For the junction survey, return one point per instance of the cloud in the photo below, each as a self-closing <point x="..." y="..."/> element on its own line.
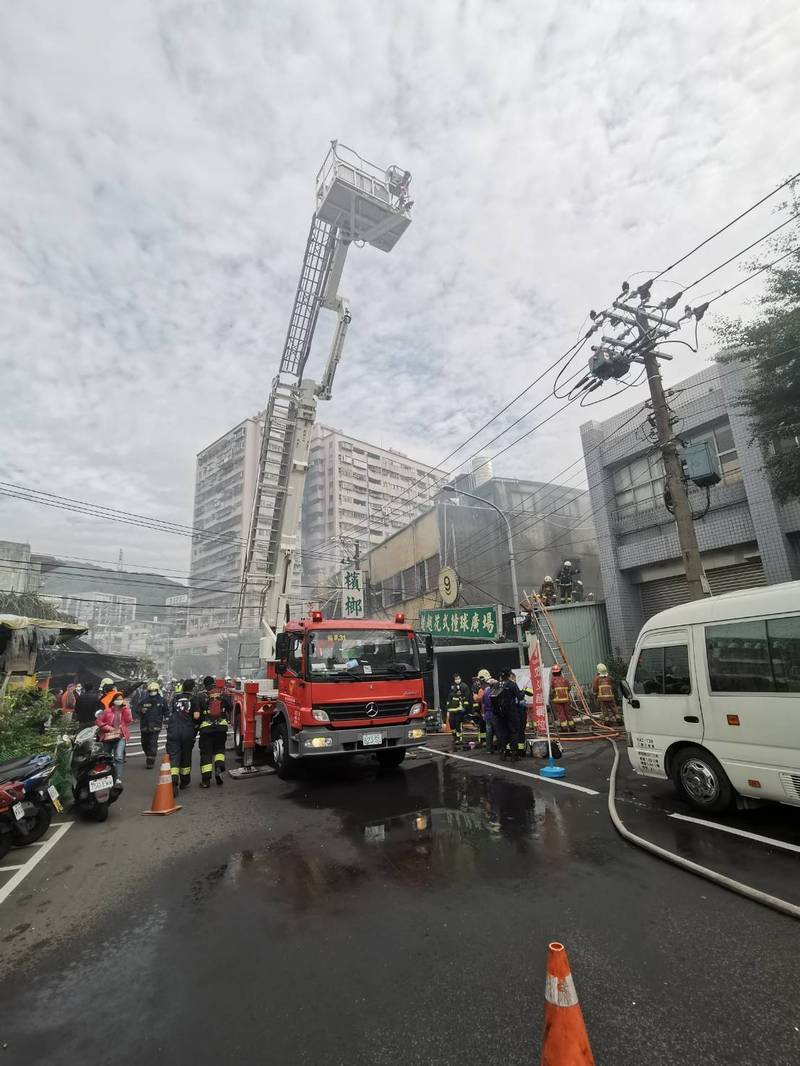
<point x="157" y="187"/>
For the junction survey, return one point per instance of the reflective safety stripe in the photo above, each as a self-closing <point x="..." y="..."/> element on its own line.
<point x="185" y="771"/>
<point x="174" y="771"/>
<point x="206" y="768"/>
<point x="560" y="992"/>
<point x="605" y="692"/>
<point x="560" y="696"/>
<point x="219" y="757"/>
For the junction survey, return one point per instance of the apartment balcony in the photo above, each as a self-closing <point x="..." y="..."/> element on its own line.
<point x="645" y="516"/>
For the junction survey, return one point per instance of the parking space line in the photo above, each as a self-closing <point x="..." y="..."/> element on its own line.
<point x="34" y="860"/>
<point x="512" y="770"/>
<point x="739" y="833"/>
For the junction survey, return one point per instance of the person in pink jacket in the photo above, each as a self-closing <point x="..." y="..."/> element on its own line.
<point x="113" y="727"/>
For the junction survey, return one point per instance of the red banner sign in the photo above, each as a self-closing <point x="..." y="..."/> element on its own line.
<point x="539" y="709"/>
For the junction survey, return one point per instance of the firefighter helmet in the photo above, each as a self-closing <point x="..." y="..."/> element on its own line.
<point x="153" y="686"/>
<point x="556" y="669"/>
<point x="484" y="675"/>
<point x="602" y="668"/>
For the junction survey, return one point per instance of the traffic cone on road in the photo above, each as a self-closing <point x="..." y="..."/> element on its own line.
<point x="565" y="1041"/>
<point x="163" y="800"/>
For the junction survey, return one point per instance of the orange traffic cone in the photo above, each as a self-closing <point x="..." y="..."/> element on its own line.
<point x="565" y="1041"/>
<point x="163" y="800"/>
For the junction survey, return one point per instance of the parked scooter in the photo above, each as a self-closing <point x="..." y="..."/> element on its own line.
<point x="11" y="795"/>
<point x="92" y="775"/>
<point x="33" y="813"/>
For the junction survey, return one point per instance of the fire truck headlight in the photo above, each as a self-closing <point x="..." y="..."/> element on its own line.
<point x="416" y="708"/>
<point x="416" y="734"/>
<point x="318" y="742"/>
<point x="320" y="716"/>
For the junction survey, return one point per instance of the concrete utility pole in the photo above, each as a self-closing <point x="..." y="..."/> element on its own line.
<point x="676" y="486"/>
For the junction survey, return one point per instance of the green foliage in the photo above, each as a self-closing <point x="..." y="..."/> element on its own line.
<point x="617" y="667"/>
<point x="30" y="724"/>
<point x="768" y="346"/>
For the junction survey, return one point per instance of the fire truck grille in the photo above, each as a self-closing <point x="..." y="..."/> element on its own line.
<point x="351" y="712"/>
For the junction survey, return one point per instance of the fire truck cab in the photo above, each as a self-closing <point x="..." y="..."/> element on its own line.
<point x="341" y="687"/>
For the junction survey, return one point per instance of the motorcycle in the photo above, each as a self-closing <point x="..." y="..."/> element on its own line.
<point x="11" y="796"/>
<point x="33" y="812"/>
<point x="92" y="775"/>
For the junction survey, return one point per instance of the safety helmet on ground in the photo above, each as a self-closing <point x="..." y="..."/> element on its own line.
<point x="602" y="668"/>
<point x="153" y="686"/>
<point x="484" y="675"/>
<point x="556" y="669"/>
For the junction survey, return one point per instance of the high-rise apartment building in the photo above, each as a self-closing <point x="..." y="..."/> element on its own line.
<point x="356" y="493"/>
<point x="225" y="482"/>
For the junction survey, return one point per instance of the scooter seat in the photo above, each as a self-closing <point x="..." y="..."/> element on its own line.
<point x="18" y="769"/>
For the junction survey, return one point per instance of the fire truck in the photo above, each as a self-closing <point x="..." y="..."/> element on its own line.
<point x="326" y="686"/>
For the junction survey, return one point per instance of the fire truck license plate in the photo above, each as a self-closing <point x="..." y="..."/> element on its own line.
<point x="372" y="740"/>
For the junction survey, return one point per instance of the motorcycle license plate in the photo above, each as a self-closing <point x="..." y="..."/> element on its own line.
<point x="52" y="792"/>
<point x="101" y="783"/>
<point x="372" y="740"/>
<point x="19" y="811"/>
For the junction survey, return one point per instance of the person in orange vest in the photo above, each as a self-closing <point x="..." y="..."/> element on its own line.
<point x="603" y="689"/>
<point x="560" y="701"/>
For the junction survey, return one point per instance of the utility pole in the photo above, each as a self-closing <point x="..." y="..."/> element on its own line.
<point x="647" y="324"/>
<point x="676" y="486"/>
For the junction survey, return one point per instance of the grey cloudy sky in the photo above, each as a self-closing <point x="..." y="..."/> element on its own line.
<point x="157" y="173"/>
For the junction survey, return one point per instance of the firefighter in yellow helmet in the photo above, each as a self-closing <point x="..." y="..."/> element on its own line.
<point x="561" y="701"/>
<point x="603" y="689"/>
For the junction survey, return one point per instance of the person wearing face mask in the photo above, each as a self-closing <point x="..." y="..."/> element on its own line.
<point x="113" y="728"/>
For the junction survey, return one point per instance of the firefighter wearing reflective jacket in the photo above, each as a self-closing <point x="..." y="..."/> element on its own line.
<point x="560" y="699"/>
<point x="215" y="710"/>
<point x="181" y="732"/>
<point x="603" y="689"/>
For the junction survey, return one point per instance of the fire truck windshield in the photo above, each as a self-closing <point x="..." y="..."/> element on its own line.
<point x="361" y="653"/>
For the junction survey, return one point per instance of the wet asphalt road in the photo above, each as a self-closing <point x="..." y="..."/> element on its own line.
<point x="361" y="917"/>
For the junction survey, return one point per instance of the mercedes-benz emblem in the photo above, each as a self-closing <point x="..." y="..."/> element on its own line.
<point x="371" y="710"/>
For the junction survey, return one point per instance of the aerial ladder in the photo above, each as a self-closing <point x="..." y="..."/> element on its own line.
<point x="356" y="202"/>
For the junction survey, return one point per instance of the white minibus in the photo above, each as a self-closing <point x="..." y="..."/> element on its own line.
<point x="712" y="698"/>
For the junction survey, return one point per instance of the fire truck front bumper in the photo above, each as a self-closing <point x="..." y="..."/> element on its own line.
<point x="361" y="740"/>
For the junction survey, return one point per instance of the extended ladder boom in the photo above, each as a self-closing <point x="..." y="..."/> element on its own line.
<point x="355" y="201"/>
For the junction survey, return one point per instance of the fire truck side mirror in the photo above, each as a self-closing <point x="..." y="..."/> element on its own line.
<point x="281" y="652"/>
<point x="429" y="650"/>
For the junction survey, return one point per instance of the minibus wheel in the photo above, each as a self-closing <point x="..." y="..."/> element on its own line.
<point x="701" y="780"/>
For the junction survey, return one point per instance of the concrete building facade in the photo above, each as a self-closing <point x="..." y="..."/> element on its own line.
<point x="356" y="493"/>
<point x="746" y="538"/>
<point x="549" y="524"/>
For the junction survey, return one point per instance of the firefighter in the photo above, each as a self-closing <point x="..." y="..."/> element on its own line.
<point x="507" y="715"/>
<point x="215" y="711"/>
<point x="548" y="591"/>
<point x="560" y="700"/>
<point x="459" y="701"/>
<point x="152" y="711"/>
<point x="181" y="732"/>
<point x="518" y="716"/>
<point x="566" y="582"/>
<point x="603" y="689"/>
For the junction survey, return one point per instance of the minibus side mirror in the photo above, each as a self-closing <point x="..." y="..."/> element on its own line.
<point x="625" y="689"/>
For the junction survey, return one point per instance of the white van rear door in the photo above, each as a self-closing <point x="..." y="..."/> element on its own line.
<point x="663" y="682"/>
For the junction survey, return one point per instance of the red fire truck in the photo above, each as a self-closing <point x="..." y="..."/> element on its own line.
<point x="345" y="686"/>
<point x="342" y="688"/>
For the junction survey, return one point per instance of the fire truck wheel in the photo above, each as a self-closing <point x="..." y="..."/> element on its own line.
<point x="387" y="760"/>
<point x="284" y="766"/>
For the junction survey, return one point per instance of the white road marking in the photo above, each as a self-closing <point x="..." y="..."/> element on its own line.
<point x="512" y="770"/>
<point x="34" y="860"/>
<point x="135" y="754"/>
<point x="739" y="833"/>
<point x="8" y="869"/>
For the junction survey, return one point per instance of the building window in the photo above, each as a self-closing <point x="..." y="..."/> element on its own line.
<point x="639" y="486"/>
<point x="409" y="583"/>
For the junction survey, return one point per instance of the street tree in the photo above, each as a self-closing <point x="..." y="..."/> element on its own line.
<point x="768" y="345"/>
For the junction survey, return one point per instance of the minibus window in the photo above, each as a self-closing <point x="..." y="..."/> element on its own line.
<point x="738" y="657"/>
<point x="783" y="635"/>
<point x="663" y="671"/>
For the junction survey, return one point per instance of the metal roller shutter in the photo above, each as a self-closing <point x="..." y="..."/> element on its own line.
<point x="670" y="591"/>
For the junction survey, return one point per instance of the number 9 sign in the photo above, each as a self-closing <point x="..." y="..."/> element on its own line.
<point x="448" y="586"/>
